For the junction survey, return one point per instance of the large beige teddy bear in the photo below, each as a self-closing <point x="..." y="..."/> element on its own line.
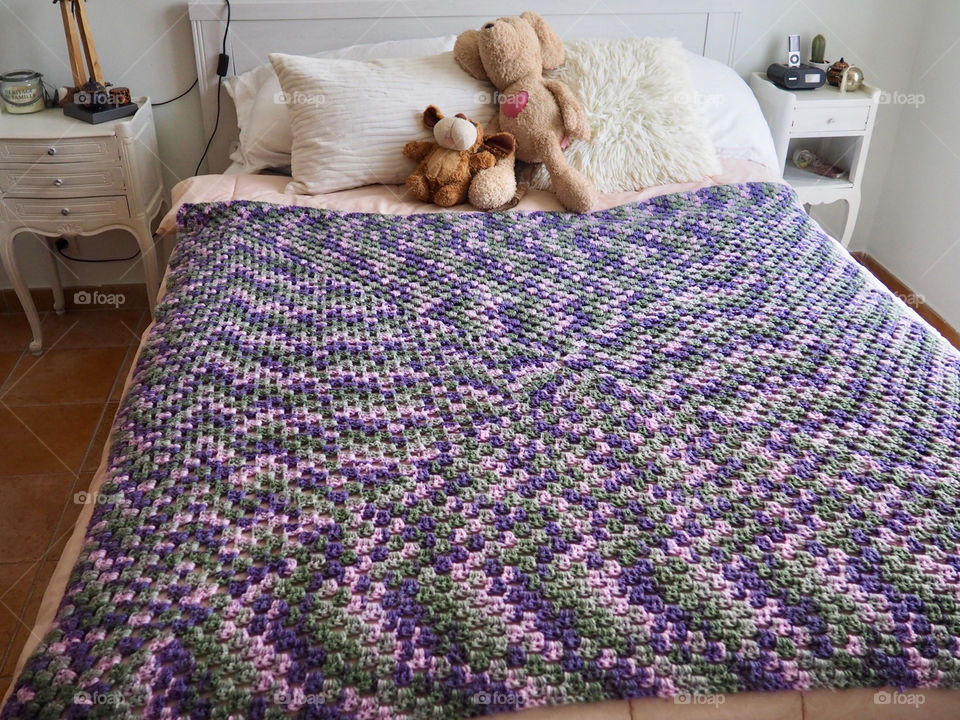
<point x="543" y="115"/>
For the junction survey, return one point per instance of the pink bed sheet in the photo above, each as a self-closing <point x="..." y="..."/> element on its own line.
<point x="394" y="200"/>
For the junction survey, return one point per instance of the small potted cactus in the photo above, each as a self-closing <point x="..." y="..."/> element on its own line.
<point x="817" y="49"/>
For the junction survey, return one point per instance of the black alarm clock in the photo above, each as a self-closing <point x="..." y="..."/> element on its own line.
<point x="801" y="77"/>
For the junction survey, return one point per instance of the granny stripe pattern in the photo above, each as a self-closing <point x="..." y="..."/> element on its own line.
<point x="449" y="465"/>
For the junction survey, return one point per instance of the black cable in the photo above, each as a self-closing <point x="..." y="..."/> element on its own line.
<point x="82" y="260"/>
<point x="223" y="49"/>
<point x="222" y="67"/>
<point x="167" y="102"/>
<point x="216" y="124"/>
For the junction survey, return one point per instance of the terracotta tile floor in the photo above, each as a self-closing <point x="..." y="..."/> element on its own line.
<point x="55" y="415"/>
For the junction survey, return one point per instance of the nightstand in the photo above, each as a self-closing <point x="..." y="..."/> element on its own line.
<point x="836" y="126"/>
<point x="61" y="177"/>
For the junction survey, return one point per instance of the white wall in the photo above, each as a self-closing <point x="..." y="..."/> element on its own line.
<point x="147" y="45"/>
<point x="917" y="230"/>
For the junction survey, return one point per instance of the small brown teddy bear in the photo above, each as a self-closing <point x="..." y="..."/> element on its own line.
<point x="543" y="115"/>
<point x="448" y="163"/>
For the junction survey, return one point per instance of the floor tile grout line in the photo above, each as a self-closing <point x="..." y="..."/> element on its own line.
<point x="56" y="536"/>
<point x="35" y="567"/>
<point x="106" y="404"/>
<point x="25" y="475"/>
<point x="128" y="345"/>
<point x="124" y="371"/>
<point x="39" y="563"/>
<point x="60" y="533"/>
<point x="16" y="613"/>
<point x="93" y="439"/>
<point x="32" y="432"/>
<point x="3" y="382"/>
<point x="6" y="391"/>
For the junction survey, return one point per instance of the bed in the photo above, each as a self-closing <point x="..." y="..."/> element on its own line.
<point x="678" y="458"/>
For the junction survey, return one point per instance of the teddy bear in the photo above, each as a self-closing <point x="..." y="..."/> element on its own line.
<point x="449" y="162"/>
<point x="543" y="115"/>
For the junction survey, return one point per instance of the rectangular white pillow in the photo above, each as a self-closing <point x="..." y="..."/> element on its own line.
<point x="265" y="139"/>
<point x="731" y="112"/>
<point x="350" y="119"/>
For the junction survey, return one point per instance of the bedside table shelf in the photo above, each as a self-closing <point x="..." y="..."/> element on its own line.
<point x="802" y="179"/>
<point x="836" y="126"/>
<point x="61" y="177"/>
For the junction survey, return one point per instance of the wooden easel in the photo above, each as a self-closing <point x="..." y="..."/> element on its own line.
<point x="77" y="28"/>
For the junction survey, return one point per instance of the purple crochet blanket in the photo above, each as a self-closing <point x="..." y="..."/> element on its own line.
<point x="449" y="465"/>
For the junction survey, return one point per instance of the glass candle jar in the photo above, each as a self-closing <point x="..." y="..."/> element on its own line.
<point x="22" y="92"/>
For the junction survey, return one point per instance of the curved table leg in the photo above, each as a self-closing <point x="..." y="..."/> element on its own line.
<point x="8" y="258"/>
<point x="148" y="253"/>
<point x="57" y="286"/>
<point x="853" y="208"/>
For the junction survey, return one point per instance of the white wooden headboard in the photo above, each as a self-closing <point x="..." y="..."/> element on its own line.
<point x="259" y="27"/>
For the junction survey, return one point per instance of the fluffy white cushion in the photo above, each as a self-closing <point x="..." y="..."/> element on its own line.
<point x="646" y="124"/>
<point x="265" y="139"/>
<point x="351" y="119"/>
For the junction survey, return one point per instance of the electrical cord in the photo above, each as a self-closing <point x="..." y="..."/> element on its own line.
<point x="82" y="260"/>
<point x="223" y="66"/>
<point x="185" y="92"/>
<point x="216" y="124"/>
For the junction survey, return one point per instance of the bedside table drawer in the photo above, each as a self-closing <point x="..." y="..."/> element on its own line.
<point x="101" y="209"/>
<point x="65" y="180"/>
<point x="830" y="119"/>
<point x="104" y="149"/>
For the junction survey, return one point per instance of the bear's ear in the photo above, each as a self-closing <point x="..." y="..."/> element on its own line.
<point x="466" y="51"/>
<point x="551" y="46"/>
<point x="431" y="116"/>
<point x="501" y="144"/>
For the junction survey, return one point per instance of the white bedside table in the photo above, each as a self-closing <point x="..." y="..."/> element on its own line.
<point x="61" y="177"/>
<point x="836" y="126"/>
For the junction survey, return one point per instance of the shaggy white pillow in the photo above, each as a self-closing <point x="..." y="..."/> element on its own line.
<point x="645" y="119"/>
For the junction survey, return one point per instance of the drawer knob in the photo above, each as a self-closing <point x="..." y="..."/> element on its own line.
<point x="830" y="121"/>
<point x="58" y="182"/>
<point x="65" y="211"/>
<point x="52" y="151"/>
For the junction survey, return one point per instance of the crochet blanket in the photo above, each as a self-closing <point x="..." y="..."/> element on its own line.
<point x="450" y="465"/>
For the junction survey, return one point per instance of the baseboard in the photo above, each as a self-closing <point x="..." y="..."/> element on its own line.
<point x="911" y="298"/>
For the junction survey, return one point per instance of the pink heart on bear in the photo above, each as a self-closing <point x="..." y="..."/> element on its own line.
<point x="513" y="105"/>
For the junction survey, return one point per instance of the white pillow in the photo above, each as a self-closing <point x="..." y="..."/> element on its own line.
<point x="264" y="125"/>
<point x="350" y="119"/>
<point x="265" y="138"/>
<point x="731" y="113"/>
<point x="646" y="124"/>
